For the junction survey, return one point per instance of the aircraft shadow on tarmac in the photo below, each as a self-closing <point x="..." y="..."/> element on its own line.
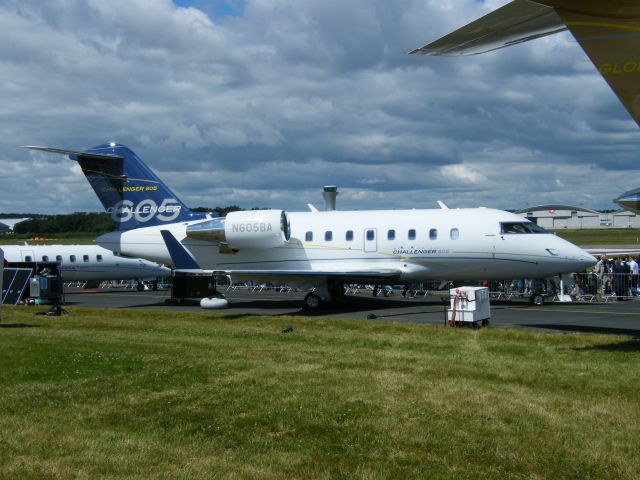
<point x="293" y="307"/>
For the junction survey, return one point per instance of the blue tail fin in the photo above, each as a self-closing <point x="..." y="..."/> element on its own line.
<point x="129" y="191"/>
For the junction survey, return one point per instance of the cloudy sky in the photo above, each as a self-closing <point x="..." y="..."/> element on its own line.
<point x="261" y="102"/>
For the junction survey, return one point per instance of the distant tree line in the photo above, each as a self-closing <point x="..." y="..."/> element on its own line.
<point x="221" y="211"/>
<point x="81" y="222"/>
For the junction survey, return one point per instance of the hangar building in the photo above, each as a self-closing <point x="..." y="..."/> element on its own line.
<point x="554" y="217"/>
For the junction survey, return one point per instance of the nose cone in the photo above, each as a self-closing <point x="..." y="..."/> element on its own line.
<point x="577" y="258"/>
<point x="630" y="200"/>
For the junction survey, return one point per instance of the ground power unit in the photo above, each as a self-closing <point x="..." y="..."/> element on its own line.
<point x="469" y="305"/>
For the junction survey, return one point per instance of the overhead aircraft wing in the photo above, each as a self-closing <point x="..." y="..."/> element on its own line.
<point x="613" y="45"/>
<point x="516" y="22"/>
<point x="611" y="40"/>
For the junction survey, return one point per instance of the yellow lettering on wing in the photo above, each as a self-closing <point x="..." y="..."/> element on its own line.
<point x="631" y="66"/>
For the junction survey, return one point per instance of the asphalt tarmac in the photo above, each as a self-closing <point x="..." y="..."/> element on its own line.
<point x="616" y="317"/>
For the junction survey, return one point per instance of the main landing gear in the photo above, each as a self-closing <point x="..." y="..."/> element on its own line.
<point x="323" y="295"/>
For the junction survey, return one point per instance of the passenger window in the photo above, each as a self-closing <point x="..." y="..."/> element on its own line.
<point x="308" y="237"/>
<point x="58" y="258"/>
<point x="85" y="258"/>
<point x="328" y="236"/>
<point x="99" y="258"/>
<point x="349" y="236"/>
<point x="433" y="234"/>
<point x="455" y="234"/>
<point x="371" y="235"/>
<point x="412" y="234"/>
<point x="27" y="258"/>
<point x="45" y="258"/>
<point x="391" y="235"/>
<point x="72" y="258"/>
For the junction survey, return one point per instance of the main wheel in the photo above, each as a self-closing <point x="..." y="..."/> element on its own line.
<point x="312" y="301"/>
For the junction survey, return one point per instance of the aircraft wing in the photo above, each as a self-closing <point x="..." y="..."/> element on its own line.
<point x="597" y="251"/>
<point x="516" y="22"/>
<point x="346" y="275"/>
<point x="611" y="40"/>
<point x="184" y="262"/>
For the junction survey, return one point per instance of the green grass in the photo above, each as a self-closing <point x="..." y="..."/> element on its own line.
<point x="137" y="394"/>
<point x="601" y="236"/>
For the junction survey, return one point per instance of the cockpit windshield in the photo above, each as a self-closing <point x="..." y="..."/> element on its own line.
<point x="520" y="227"/>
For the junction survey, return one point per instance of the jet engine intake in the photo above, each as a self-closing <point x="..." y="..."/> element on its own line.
<point x="245" y="229"/>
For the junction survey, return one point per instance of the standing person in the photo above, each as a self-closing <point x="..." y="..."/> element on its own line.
<point x="635" y="274"/>
<point x="617" y="282"/>
<point x="601" y="270"/>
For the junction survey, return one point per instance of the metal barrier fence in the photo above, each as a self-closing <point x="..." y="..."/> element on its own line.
<point x="579" y="287"/>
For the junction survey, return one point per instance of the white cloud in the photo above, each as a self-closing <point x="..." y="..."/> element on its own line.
<point x="264" y="107"/>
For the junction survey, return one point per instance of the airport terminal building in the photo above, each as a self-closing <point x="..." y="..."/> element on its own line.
<point x="554" y="217"/>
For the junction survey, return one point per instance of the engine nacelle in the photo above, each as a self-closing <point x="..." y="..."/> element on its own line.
<point x="245" y="229"/>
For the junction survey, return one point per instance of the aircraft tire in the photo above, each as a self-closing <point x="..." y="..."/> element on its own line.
<point x="140" y="287"/>
<point x="312" y="301"/>
<point x="536" y="299"/>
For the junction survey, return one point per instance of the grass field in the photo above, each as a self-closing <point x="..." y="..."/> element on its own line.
<point x="612" y="236"/>
<point x="138" y="394"/>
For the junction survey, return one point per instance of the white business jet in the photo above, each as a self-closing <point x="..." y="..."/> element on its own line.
<point x="84" y="263"/>
<point x="316" y="250"/>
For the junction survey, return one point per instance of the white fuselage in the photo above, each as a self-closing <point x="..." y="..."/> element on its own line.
<point x="444" y="244"/>
<point x="86" y="262"/>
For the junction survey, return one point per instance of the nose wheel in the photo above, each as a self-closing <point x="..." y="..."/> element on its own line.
<point x="536" y="299"/>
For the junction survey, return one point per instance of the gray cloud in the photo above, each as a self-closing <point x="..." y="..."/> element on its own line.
<point x="264" y="107"/>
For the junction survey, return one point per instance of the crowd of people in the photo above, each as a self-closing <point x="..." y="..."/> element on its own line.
<point x="617" y="276"/>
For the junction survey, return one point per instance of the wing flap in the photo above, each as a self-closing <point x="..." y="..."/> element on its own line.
<point x="516" y="22"/>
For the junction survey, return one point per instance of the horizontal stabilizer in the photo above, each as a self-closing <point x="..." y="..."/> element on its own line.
<point x="516" y="22"/>
<point x="180" y="257"/>
<point x="93" y="156"/>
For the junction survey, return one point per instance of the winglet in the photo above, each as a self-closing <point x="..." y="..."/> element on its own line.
<point x="180" y="256"/>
